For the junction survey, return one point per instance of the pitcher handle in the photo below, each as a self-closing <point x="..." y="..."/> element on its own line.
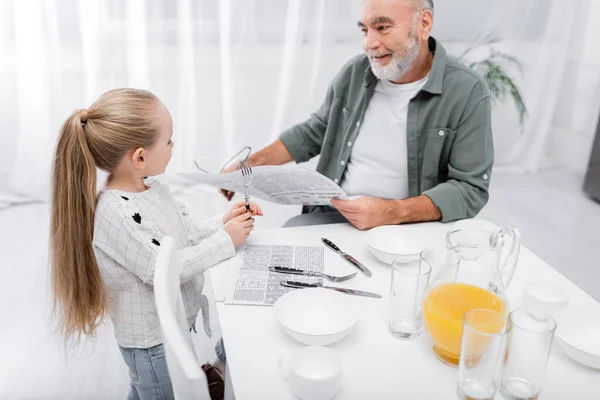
<point x="508" y="268"/>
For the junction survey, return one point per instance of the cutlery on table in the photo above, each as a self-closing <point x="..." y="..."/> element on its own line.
<point x="315" y="274"/>
<point x="347" y="257"/>
<point x="304" y="285"/>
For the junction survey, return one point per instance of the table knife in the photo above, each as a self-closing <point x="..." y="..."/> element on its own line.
<point x="347" y="257"/>
<point x="304" y="285"/>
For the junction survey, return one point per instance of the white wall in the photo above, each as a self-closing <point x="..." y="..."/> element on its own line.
<point x="578" y="107"/>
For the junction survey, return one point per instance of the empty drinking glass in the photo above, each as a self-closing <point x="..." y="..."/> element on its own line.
<point x="410" y="278"/>
<point x="482" y="354"/>
<point x="529" y="345"/>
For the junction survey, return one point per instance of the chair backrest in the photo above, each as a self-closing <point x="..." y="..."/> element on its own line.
<point x="187" y="377"/>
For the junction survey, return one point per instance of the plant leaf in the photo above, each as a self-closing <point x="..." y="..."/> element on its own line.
<point x="499" y="82"/>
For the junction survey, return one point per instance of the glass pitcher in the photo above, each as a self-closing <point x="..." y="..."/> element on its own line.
<point x="472" y="277"/>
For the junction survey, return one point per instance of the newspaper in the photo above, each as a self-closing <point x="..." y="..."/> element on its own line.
<point x="288" y="184"/>
<point x="256" y="285"/>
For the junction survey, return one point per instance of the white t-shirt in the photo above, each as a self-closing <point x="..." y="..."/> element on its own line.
<point x="378" y="162"/>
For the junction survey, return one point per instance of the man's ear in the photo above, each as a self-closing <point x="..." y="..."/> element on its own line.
<point x="426" y="24"/>
<point x="138" y="158"/>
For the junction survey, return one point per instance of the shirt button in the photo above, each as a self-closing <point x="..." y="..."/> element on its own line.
<point x="349" y="144"/>
<point x="485" y="176"/>
<point x="358" y="124"/>
<point x="343" y="162"/>
<point x="336" y="180"/>
<point x="441" y="133"/>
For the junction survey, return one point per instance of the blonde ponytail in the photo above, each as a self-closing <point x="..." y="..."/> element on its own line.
<point x="76" y="281"/>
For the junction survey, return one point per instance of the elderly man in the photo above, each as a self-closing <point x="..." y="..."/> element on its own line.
<point x="404" y="127"/>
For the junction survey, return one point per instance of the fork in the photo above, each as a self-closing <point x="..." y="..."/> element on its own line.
<point x="315" y="274"/>
<point x="247" y="176"/>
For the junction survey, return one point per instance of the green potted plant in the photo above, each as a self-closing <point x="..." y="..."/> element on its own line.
<point x="496" y="70"/>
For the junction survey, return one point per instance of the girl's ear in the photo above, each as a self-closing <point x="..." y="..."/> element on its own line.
<point x="138" y="158"/>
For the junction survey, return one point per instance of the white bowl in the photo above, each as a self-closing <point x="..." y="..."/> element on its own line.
<point x="543" y="299"/>
<point x="389" y="242"/>
<point x="578" y="332"/>
<point x="316" y="317"/>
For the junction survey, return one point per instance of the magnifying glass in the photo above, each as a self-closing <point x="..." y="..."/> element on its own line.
<point x="241" y="157"/>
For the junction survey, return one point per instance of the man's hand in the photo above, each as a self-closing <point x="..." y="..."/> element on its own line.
<point x="367" y="212"/>
<point x="230" y="168"/>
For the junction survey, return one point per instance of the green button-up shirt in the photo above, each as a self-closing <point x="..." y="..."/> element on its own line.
<point x="448" y="132"/>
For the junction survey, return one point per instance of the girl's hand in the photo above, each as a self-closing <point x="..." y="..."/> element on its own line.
<point x="239" y="227"/>
<point x="240" y="208"/>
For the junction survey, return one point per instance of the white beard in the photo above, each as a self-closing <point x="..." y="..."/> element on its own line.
<point x="400" y="63"/>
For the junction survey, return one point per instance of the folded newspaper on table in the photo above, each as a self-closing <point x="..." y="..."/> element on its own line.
<point x="289" y="184"/>
<point x="256" y="285"/>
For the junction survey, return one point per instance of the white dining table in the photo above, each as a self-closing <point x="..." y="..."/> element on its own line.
<point x="375" y="364"/>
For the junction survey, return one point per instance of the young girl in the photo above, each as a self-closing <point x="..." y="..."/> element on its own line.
<point x="103" y="246"/>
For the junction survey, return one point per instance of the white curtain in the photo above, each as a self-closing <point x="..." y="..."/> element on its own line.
<point x="236" y="72"/>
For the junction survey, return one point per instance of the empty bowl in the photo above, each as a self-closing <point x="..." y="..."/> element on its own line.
<point x="578" y="333"/>
<point x="316" y="317"/>
<point x="542" y="299"/>
<point x="390" y="242"/>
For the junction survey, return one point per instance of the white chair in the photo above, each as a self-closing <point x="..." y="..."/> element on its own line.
<point x="187" y="376"/>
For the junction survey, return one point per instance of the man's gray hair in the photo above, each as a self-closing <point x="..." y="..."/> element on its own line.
<point x="426" y="5"/>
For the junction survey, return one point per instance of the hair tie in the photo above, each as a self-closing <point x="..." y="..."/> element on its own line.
<point x="83" y="116"/>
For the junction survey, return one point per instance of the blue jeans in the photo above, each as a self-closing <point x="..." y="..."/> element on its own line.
<point x="148" y="373"/>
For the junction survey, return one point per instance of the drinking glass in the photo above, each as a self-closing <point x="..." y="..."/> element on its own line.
<point x="482" y="354"/>
<point x="529" y="345"/>
<point x="410" y="278"/>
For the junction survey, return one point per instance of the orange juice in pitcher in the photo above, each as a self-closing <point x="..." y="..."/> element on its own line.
<point x="471" y="278"/>
<point x="444" y="310"/>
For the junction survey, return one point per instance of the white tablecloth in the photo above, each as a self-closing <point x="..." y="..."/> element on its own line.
<point x="376" y="365"/>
